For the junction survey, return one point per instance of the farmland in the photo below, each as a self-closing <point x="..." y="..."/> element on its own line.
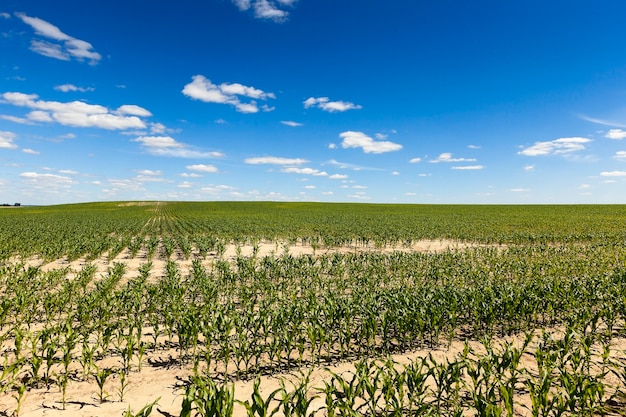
<point x="324" y="309"/>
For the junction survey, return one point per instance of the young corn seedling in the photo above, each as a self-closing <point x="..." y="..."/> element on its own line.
<point x="257" y="406"/>
<point x="297" y="402"/>
<point x="144" y="412"/>
<point x="208" y="400"/>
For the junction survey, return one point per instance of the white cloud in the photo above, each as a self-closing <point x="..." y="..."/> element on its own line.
<point x="185" y="184"/>
<point x="415" y="160"/>
<point x="68" y="172"/>
<point x="190" y="175"/>
<point x="148" y="172"/>
<point x="332" y="146"/>
<point x="211" y="169"/>
<point x="395" y="173"/>
<point x="345" y="165"/>
<point x="168" y="146"/>
<point x="78" y="113"/>
<point x="584" y="186"/>
<point x="447" y="157"/>
<point x="242" y="4"/>
<point x="15" y="119"/>
<point x="473" y="146"/>
<point x="529" y="168"/>
<point x="30" y="151"/>
<point x="66" y="88"/>
<point x="338" y="177"/>
<point x="310" y="187"/>
<point x="617" y="134"/>
<point x="359" y="196"/>
<point x="360" y="187"/>
<point x="6" y="140"/>
<point x="601" y="121"/>
<point x="305" y="171"/>
<point x="46" y="180"/>
<point x="5" y="15"/>
<point x="266" y="9"/>
<point x="556" y="147"/>
<point x="201" y="88"/>
<point x="469" y="168"/>
<point x="361" y="140"/>
<point x="275" y="160"/>
<point x="290" y="123"/>
<point x="217" y="189"/>
<point x="65" y="48"/>
<point x="613" y="174"/>
<point x="620" y="155"/>
<point x="325" y="104"/>
<point x="157" y="128"/>
<point x="133" y="110"/>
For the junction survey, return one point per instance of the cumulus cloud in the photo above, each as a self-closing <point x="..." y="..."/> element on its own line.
<point x="290" y="123"/>
<point x="275" y="160"/>
<point x="66" y="88"/>
<point x="77" y="113"/>
<point x="148" y="172"/>
<point x="617" y="134"/>
<point x="168" y="146"/>
<point x="305" y="171"/>
<point x="361" y="140"/>
<point x="29" y="151"/>
<point x="556" y="147"/>
<point x="469" y="168"/>
<point x="266" y="9"/>
<point x="133" y="110"/>
<point x="613" y="174"/>
<point x="201" y="88"/>
<point x="211" y="169"/>
<point x="620" y="155"/>
<point x="6" y="140"/>
<point x="415" y="160"/>
<point x="325" y="104"/>
<point x="447" y="157"/>
<point x="529" y="168"/>
<point x="57" y="44"/>
<point x="46" y="180"/>
<point x="338" y="177"/>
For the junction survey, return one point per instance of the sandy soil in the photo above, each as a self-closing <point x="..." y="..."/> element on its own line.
<point x="164" y="382"/>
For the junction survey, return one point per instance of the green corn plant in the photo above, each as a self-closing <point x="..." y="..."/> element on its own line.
<point x="208" y="399"/>
<point x="123" y="387"/>
<point x="257" y="406"/>
<point x="342" y="394"/>
<point x="101" y="376"/>
<point x="144" y="412"/>
<point x="297" y="401"/>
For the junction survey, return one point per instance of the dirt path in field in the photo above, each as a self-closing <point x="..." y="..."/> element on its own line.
<point x="231" y="252"/>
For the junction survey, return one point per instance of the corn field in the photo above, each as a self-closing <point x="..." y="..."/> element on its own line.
<point x="537" y="302"/>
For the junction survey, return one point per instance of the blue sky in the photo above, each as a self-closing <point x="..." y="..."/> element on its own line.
<point x="313" y="100"/>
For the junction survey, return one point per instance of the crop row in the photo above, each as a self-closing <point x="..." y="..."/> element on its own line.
<point x="261" y="315"/>
<point x="90" y="230"/>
